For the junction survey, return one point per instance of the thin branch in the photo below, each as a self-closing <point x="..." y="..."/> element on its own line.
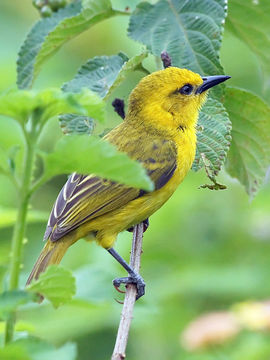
<point x="119" y="352"/>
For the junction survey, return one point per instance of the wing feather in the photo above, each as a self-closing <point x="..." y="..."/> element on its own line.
<point x="85" y="197"/>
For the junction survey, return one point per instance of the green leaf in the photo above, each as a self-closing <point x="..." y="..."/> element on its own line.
<point x="8" y="216"/>
<point x="98" y="74"/>
<point x="76" y="124"/>
<point x="103" y="74"/>
<point x="14" y="352"/>
<point x="249" y="155"/>
<point x="55" y="284"/>
<point x="10" y="300"/>
<point x="135" y="63"/>
<point x="3" y="270"/>
<point x="190" y="31"/>
<point x="21" y="104"/>
<point x="4" y="161"/>
<point x="41" y="350"/>
<point x="213" y="135"/>
<point x="124" y="5"/>
<point x="91" y="155"/>
<point x="249" y="21"/>
<point x="49" y="34"/>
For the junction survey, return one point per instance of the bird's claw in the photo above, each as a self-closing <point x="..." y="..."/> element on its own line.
<point x="145" y="226"/>
<point x="117" y="288"/>
<point x="135" y="279"/>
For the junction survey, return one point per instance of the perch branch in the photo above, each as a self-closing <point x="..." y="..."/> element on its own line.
<point x="130" y="297"/>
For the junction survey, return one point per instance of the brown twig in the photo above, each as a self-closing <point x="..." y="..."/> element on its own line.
<point x="166" y="59"/>
<point x="130" y="297"/>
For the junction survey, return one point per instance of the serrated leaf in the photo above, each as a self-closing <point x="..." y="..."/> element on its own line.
<point x="249" y="155"/>
<point x="213" y="135"/>
<point x="76" y="124"/>
<point x="103" y="74"/>
<point x="21" y="104"/>
<point x="98" y="74"/>
<point x="190" y="31"/>
<point x="55" y="284"/>
<point x="10" y="300"/>
<point x="49" y="34"/>
<point x="132" y="64"/>
<point x="249" y="21"/>
<point x="91" y="155"/>
<point x="41" y="350"/>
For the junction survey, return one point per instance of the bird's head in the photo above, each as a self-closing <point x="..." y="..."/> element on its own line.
<point x="170" y="99"/>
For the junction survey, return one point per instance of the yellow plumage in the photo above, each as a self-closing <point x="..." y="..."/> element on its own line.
<point x="158" y="131"/>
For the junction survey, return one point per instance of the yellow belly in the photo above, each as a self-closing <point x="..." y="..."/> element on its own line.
<point x="108" y="226"/>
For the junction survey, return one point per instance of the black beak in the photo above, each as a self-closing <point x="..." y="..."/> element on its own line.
<point x="210" y="81"/>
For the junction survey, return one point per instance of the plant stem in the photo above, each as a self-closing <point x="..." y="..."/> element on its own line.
<point x="130" y="297"/>
<point x="19" y="231"/>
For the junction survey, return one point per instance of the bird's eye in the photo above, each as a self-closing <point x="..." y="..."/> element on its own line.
<point x="186" y="89"/>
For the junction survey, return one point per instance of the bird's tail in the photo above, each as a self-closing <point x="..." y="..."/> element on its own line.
<point x="52" y="253"/>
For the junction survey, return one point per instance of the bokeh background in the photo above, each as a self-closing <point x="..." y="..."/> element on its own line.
<point x="204" y="251"/>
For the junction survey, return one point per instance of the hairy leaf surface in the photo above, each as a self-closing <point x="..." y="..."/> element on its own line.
<point x="190" y="31"/>
<point x="98" y="74"/>
<point x="103" y="74"/>
<point x="76" y="124"/>
<point x="49" y="34"/>
<point x="133" y="64"/>
<point x="213" y="135"/>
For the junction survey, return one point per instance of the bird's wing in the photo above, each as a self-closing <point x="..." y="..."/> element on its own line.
<point x="86" y="197"/>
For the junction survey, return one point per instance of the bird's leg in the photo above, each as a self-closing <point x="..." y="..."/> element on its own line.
<point x="134" y="278"/>
<point x="145" y="226"/>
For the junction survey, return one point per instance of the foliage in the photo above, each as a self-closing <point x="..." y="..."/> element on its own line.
<point x="75" y="153"/>
<point x="56" y="284"/>
<point x="250" y="23"/>
<point x="207" y="268"/>
<point x="213" y="134"/>
<point x="35" y="349"/>
<point x="98" y="74"/>
<point x="189" y="31"/>
<point x="10" y="300"/>
<point x="49" y="34"/>
<point x="249" y="154"/>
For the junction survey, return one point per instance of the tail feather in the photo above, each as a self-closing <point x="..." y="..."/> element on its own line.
<point x="52" y="253"/>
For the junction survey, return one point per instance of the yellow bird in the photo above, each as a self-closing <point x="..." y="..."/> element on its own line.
<point x="159" y="131"/>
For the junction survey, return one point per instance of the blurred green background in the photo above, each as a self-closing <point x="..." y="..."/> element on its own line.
<point x="204" y="251"/>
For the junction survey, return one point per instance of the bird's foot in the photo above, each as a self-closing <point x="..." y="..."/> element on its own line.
<point x="145" y="226"/>
<point x="135" y="279"/>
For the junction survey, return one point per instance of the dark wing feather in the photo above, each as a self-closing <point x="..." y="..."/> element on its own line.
<point x="86" y="197"/>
